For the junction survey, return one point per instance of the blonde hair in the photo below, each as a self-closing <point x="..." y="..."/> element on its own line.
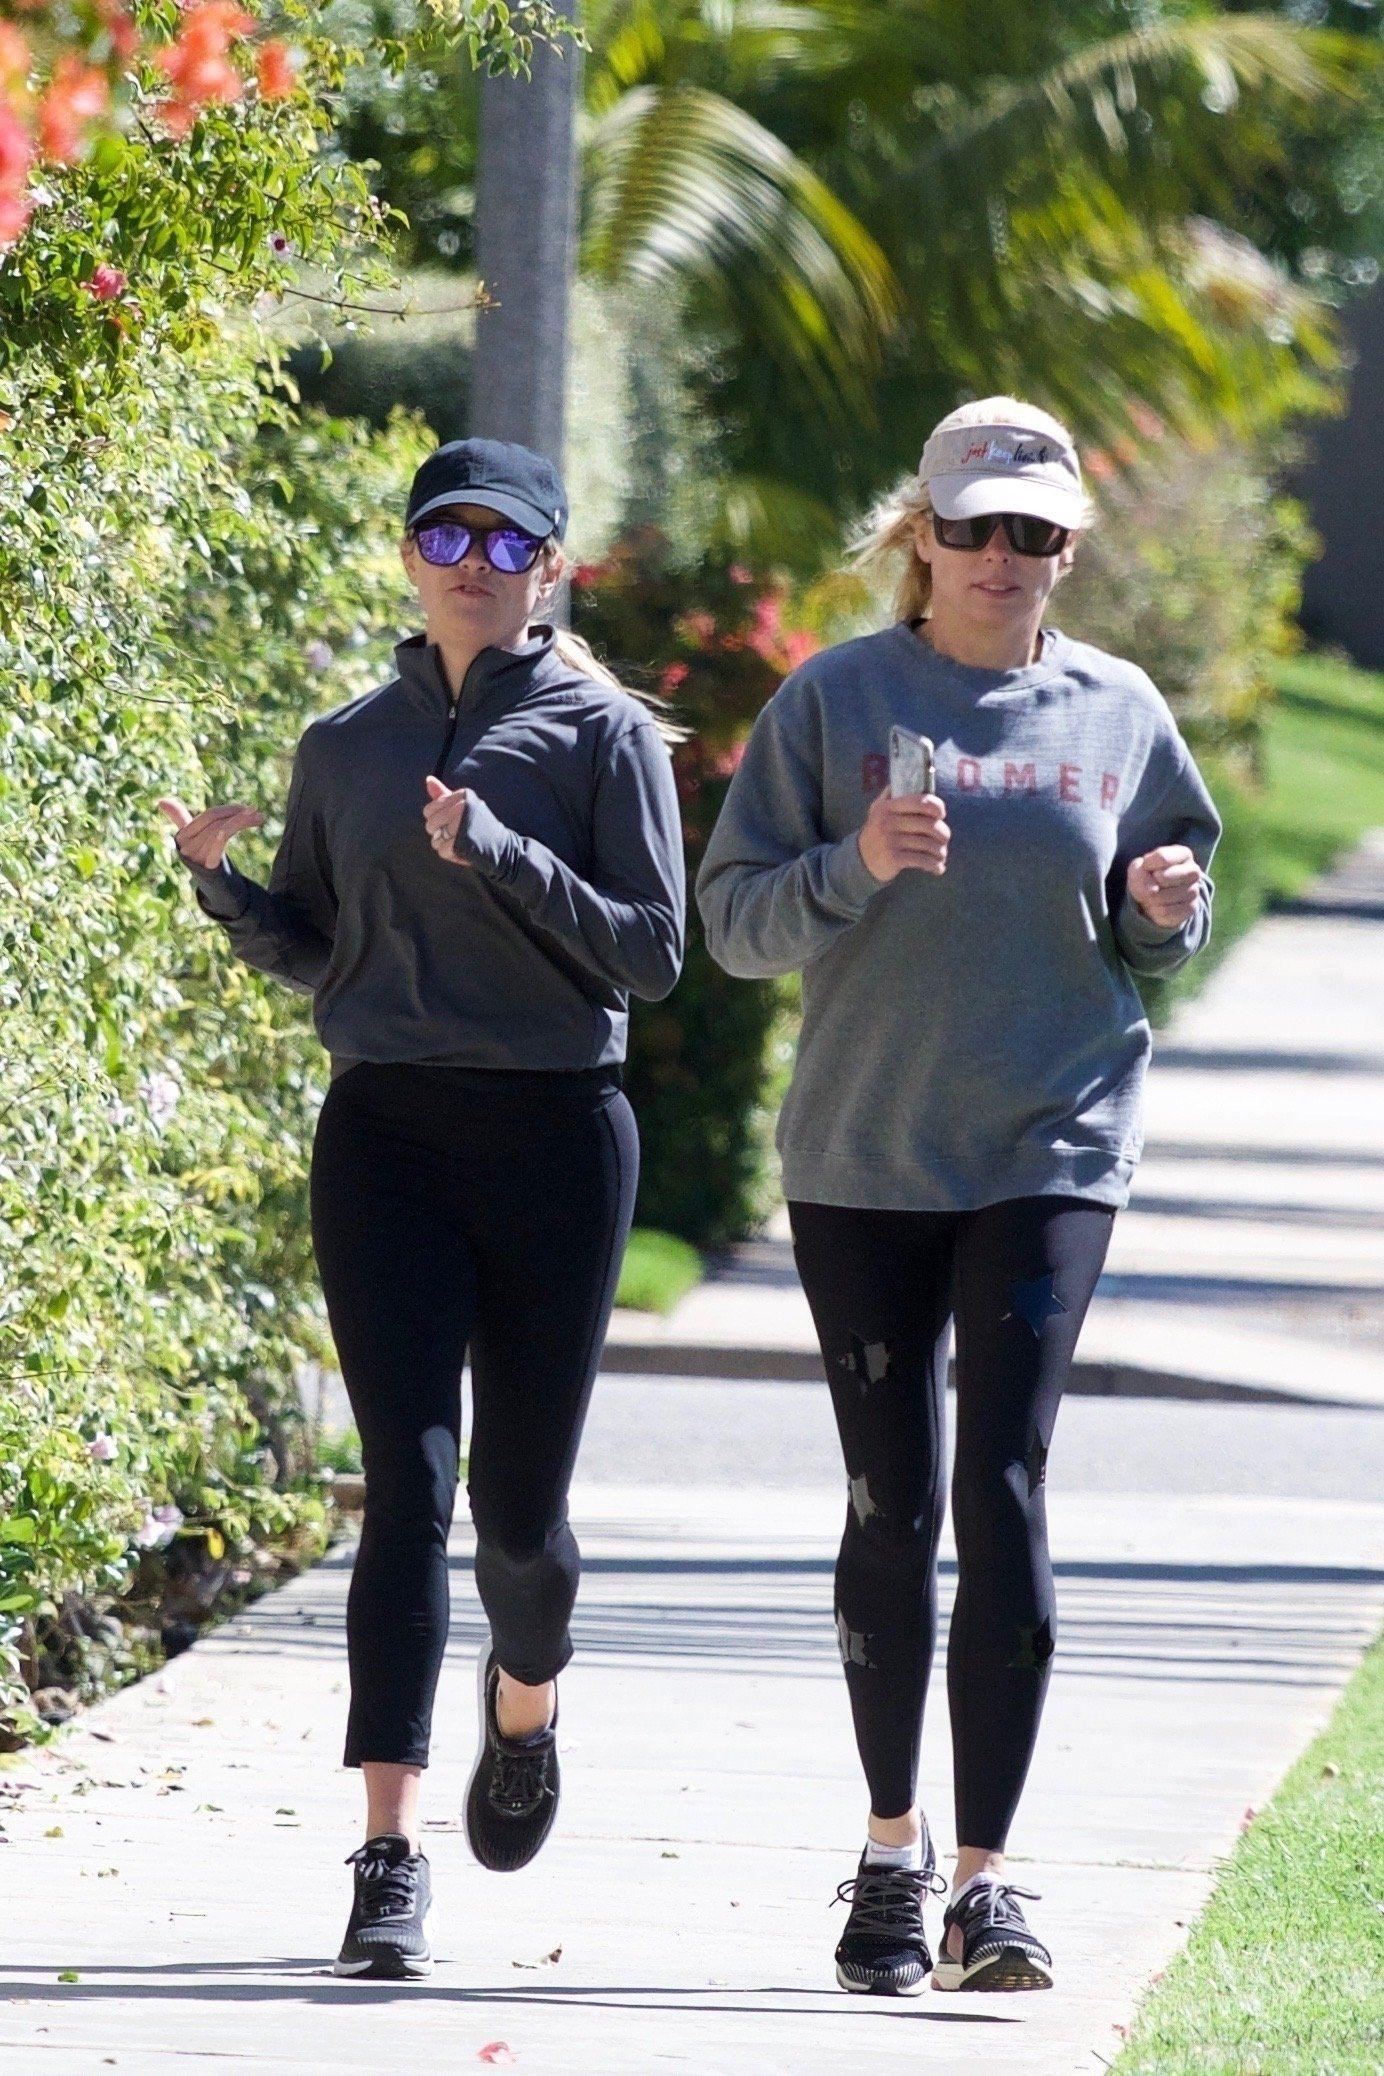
<point x="578" y="654"/>
<point x="893" y="525"/>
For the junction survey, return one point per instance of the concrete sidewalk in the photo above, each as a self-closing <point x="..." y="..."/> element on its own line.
<point x="1250" y="1259"/>
<point x="179" y="1849"/>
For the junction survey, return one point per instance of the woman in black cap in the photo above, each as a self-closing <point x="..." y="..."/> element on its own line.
<point x="481" y="861"/>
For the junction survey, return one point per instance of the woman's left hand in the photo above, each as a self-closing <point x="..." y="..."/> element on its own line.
<point x="443" y="816"/>
<point x="1163" y="883"/>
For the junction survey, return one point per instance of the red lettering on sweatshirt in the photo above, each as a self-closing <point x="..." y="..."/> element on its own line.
<point x="1004" y="774"/>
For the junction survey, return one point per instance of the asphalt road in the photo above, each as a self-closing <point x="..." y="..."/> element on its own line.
<point x="704" y="1431"/>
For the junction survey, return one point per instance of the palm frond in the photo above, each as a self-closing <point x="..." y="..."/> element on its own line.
<point x="683" y="186"/>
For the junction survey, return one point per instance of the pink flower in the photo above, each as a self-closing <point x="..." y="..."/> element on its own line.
<point x="1146" y="421"/>
<point x="676" y="674"/>
<point x="107" y="283"/>
<point x="102" y="1448"/>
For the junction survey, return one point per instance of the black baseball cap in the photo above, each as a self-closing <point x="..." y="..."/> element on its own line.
<point x="512" y="480"/>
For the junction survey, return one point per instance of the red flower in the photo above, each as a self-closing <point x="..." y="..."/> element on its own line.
<point x="107" y="283"/>
<point x="15" y="58"/>
<point x="76" y="95"/>
<point x="15" y="211"/>
<point x="278" y="75"/>
<point x="675" y="675"/>
<point x="799" y="645"/>
<point x="123" y="34"/>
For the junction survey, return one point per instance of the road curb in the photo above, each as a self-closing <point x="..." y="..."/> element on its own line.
<point x="1091" y="1379"/>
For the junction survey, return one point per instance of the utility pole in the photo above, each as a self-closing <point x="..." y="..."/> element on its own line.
<point x="526" y="228"/>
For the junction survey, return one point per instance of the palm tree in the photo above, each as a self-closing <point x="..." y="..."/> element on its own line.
<point x="873" y="209"/>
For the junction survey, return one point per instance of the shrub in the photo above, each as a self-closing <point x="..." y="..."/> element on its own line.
<point x="173" y="550"/>
<point x="717" y="640"/>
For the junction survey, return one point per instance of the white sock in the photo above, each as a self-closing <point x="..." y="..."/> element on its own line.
<point x="877" y="1855"/>
<point x="985" y="1874"/>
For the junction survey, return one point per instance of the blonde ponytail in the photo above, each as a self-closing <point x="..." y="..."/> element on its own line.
<point x="580" y="656"/>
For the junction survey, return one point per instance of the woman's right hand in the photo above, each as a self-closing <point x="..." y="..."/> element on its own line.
<point x="202" y="838"/>
<point x="908" y="831"/>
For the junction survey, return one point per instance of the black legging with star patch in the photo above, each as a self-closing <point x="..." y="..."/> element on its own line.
<point x="884" y="1287"/>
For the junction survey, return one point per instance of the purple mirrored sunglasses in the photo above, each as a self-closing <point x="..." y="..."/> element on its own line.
<point x="507" y="548"/>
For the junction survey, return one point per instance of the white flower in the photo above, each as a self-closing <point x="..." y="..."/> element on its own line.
<point x="160" y="1092"/>
<point x="281" y="245"/>
<point x="159" y="1526"/>
<point x="318" y="654"/>
<point x="119" y="1113"/>
<point x="102" y="1448"/>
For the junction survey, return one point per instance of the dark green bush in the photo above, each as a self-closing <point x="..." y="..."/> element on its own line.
<point x="713" y="638"/>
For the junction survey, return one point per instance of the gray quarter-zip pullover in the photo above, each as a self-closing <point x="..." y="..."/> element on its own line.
<point x="971" y="1035"/>
<point x="575" y="897"/>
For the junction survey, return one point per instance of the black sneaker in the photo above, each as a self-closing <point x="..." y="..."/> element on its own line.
<point x="386" y="1937"/>
<point x="883" y="1950"/>
<point x="511" y="1797"/>
<point x="998" y="1951"/>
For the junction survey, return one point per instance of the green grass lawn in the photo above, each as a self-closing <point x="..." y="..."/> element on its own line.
<point x="1323" y="788"/>
<point x="1325" y="768"/>
<point x="1283" y="1974"/>
<point x="659" y="1269"/>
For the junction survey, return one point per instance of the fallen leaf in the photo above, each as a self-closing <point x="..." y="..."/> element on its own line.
<point x="1248" y="1818"/>
<point x="55" y="1832"/>
<point x="497" y="2052"/>
<point x="669" y="1856"/>
<point x="203" y="1722"/>
<point x="1331" y="1771"/>
<point x="545" y="1962"/>
<point x="68" y="1975"/>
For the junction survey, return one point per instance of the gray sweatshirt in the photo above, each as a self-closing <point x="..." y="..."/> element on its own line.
<point x="574" y="900"/>
<point x="971" y="1035"/>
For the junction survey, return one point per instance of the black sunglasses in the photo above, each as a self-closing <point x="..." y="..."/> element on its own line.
<point x="1026" y="534"/>
<point x="506" y="548"/>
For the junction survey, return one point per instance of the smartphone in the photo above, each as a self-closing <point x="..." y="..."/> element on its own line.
<point x="912" y="763"/>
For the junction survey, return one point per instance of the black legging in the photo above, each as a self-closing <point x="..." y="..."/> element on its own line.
<point x="455" y="1206"/>
<point x="883" y="1286"/>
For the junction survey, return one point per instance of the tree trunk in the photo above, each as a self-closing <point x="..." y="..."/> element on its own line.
<point x="526" y="212"/>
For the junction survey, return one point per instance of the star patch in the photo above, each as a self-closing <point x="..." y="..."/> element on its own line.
<point x="1035" y="1302"/>
<point x="1036" y="1463"/>
<point x="867" y="1362"/>
<point x="852" y="1644"/>
<point x="1035" y="1648"/>
<point x="860" y="1499"/>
